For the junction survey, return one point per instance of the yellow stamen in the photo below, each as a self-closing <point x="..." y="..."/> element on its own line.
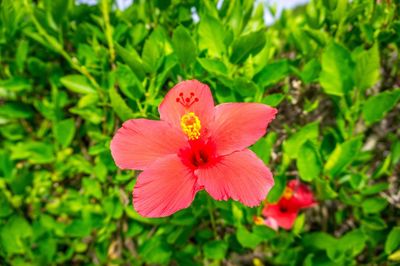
<point x="288" y="193"/>
<point x="258" y="220"/>
<point x="191" y="126"/>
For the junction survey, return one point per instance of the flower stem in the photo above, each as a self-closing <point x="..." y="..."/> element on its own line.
<point x="211" y="212"/>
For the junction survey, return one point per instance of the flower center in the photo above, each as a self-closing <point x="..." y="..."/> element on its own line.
<point x="191" y="125"/>
<point x="199" y="153"/>
<point x="288" y="193"/>
<point x="283" y="209"/>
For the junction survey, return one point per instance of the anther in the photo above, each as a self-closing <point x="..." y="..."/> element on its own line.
<point x="191" y="125"/>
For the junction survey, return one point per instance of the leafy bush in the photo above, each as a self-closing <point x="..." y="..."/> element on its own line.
<point x="72" y="73"/>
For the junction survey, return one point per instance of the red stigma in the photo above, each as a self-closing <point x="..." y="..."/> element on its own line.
<point x="187" y="101"/>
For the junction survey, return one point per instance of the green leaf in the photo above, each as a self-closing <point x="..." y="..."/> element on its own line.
<point x="119" y="105"/>
<point x="131" y="213"/>
<point x="132" y="59"/>
<point x="245" y="87"/>
<point x="292" y="145"/>
<point x="88" y="100"/>
<point x="78" y="228"/>
<point x="395" y="152"/>
<point x="376" y="107"/>
<point x="77" y="84"/>
<point x="35" y="152"/>
<point x="128" y="82"/>
<point x="237" y="213"/>
<point x="153" y="53"/>
<point x="22" y="52"/>
<point x="276" y="192"/>
<point x="13" y="235"/>
<point x="212" y="35"/>
<point x="319" y="36"/>
<point x="215" y="67"/>
<point x="15" y="84"/>
<point x="184" y="46"/>
<point x="246" y="45"/>
<point x="395" y="256"/>
<point x="383" y="168"/>
<point x="319" y="240"/>
<point x="247" y="239"/>
<point x="215" y="249"/>
<point x="325" y="190"/>
<point x="367" y="71"/>
<point x="59" y="10"/>
<point x="272" y="73"/>
<point x="134" y="228"/>
<point x="6" y="165"/>
<point x="342" y="156"/>
<point x="273" y="99"/>
<point x="5" y="206"/>
<point x="64" y="132"/>
<point x="374" y="205"/>
<point x="15" y="110"/>
<point x="92" y="187"/>
<point x="337" y="70"/>
<point x="263" y="147"/>
<point x="113" y="207"/>
<point x="264" y="232"/>
<point x="330" y="4"/>
<point x="374" y="223"/>
<point x="93" y="115"/>
<point x="310" y="71"/>
<point x="375" y="188"/>
<point x="299" y="224"/>
<point x="353" y="241"/>
<point x="309" y="162"/>
<point x="155" y="251"/>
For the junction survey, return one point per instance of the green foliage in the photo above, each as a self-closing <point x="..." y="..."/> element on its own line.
<point x="309" y="162"/>
<point x="342" y="156"/>
<point x="337" y="70"/>
<point x="184" y="46"/>
<point x="378" y="105"/>
<point x="71" y="74"/>
<point x="246" y="45"/>
<point x="393" y="240"/>
<point x="77" y="84"/>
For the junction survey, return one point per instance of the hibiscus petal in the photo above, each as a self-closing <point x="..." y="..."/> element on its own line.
<point x="140" y="141"/>
<point x="174" y="105"/>
<point x="272" y="223"/>
<point x="301" y="196"/>
<point x="283" y="219"/>
<point x="166" y="186"/>
<point x="238" y="125"/>
<point x="240" y="176"/>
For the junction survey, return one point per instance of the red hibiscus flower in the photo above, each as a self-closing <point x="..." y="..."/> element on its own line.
<point x="195" y="146"/>
<point x="283" y="213"/>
